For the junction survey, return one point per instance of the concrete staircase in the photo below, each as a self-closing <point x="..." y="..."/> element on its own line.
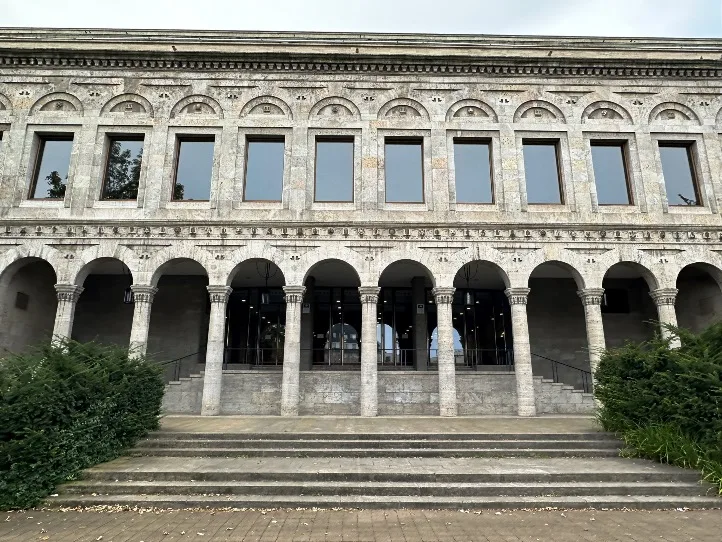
<point x="373" y="470"/>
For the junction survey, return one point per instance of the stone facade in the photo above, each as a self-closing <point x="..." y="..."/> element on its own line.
<point x="553" y="261"/>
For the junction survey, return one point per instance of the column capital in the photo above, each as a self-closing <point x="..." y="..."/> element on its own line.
<point x="664" y="296"/>
<point x="517" y="296"/>
<point x="143" y="293"/>
<point x="591" y="296"/>
<point x="294" y="294"/>
<point x="68" y="292"/>
<point x="219" y="294"/>
<point x="443" y="295"/>
<point x="369" y="294"/>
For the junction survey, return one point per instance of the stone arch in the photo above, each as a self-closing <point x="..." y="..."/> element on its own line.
<point x="255" y="250"/>
<point x="539" y="111"/>
<point x="471" y="110"/>
<point x="606" y="111"/>
<point x="6" y="107"/>
<point x="160" y="262"/>
<point x="406" y="258"/>
<point x="57" y="102"/>
<point x="197" y="104"/>
<point x="12" y="260"/>
<point x="354" y="259"/>
<point x="87" y="268"/>
<point x="495" y="266"/>
<point x="403" y="108"/>
<point x="335" y="107"/>
<point x="569" y="268"/>
<point x="346" y="265"/>
<point x="648" y="276"/>
<point x="269" y="106"/>
<point x="711" y="269"/>
<point x="672" y="113"/>
<point x="128" y="103"/>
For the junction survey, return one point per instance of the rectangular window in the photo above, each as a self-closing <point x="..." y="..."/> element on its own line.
<point x="541" y="164"/>
<point x="404" y="170"/>
<point x="193" y="169"/>
<point x="264" y="170"/>
<point x="122" y="170"/>
<point x="610" y="173"/>
<point x="50" y="176"/>
<point x="472" y="166"/>
<point x="334" y="170"/>
<point x="679" y="175"/>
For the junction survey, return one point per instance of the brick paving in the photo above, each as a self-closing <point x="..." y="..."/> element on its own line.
<point x="361" y="526"/>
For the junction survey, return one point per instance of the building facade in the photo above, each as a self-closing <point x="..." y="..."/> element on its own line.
<point x="356" y="223"/>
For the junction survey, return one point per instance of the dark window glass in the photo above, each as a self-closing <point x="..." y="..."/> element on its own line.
<point x="334" y="170"/>
<point x="51" y="169"/>
<point x="122" y="174"/>
<point x="542" y="173"/>
<point x="473" y="172"/>
<point x="610" y="173"/>
<point x="193" y="171"/>
<point x="404" y="171"/>
<point x="264" y="171"/>
<point x="679" y="174"/>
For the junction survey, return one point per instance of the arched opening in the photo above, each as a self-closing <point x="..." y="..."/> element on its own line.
<point x="699" y="300"/>
<point x="481" y="318"/>
<point x="104" y="312"/>
<point x="27" y="304"/>
<point x="406" y="316"/>
<point x="331" y="317"/>
<point x="179" y="317"/>
<point x="557" y="326"/>
<point x="256" y="321"/>
<point x="628" y="311"/>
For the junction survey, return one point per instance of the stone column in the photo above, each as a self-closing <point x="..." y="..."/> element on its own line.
<point x="142" y="302"/>
<point x="592" y="301"/>
<point x="664" y="298"/>
<point x="292" y="351"/>
<point x="212" y="381"/>
<point x="68" y="295"/>
<point x="526" y="403"/>
<point x="445" y="337"/>
<point x="369" y="351"/>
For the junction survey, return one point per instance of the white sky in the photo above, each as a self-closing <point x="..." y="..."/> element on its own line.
<point x="678" y="18"/>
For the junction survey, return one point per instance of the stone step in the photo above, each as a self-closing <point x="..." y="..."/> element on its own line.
<point x="372" y="452"/>
<point x="173" y="435"/>
<point x="381" y="444"/>
<point x="430" y="489"/>
<point x="386" y="501"/>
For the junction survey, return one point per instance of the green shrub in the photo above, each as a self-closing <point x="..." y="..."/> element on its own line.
<point x="667" y="402"/>
<point x="65" y="408"/>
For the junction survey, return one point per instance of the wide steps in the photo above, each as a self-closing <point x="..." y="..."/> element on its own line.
<point x="376" y="502"/>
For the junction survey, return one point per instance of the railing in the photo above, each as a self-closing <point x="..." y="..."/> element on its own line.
<point x="477" y="357"/>
<point x="176" y="364"/>
<point x="256" y="357"/>
<point x="395" y="357"/>
<point x="332" y="356"/>
<point x="583" y="380"/>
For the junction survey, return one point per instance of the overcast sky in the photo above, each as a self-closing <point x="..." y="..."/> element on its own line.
<point x="681" y="18"/>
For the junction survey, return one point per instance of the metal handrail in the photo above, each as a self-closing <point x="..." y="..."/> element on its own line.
<point x="586" y="375"/>
<point x="176" y="368"/>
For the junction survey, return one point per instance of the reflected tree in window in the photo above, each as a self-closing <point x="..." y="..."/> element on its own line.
<point x="123" y="172"/>
<point x="56" y="185"/>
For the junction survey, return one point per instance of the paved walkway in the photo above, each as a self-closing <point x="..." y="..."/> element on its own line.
<point x="381" y="424"/>
<point x="362" y="526"/>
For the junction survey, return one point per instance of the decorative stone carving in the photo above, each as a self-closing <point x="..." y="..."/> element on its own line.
<point x="606" y="111"/>
<point x="673" y="113"/>
<point x="517" y="296"/>
<point x="128" y="107"/>
<point x="143" y="293"/>
<point x="68" y="293"/>
<point x="443" y="295"/>
<point x="294" y="294"/>
<point x="538" y="111"/>
<point x="664" y="296"/>
<point x="591" y="296"/>
<point x="58" y="105"/>
<point x="369" y="294"/>
<point x="403" y="108"/>
<point x="197" y="105"/>
<point x="470" y="110"/>
<point x="57" y="102"/>
<point x="266" y="106"/>
<point x="219" y="294"/>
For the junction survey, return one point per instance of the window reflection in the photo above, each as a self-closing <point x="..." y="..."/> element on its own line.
<point x="334" y="170"/>
<point x="122" y="173"/>
<point x="51" y="171"/>
<point x="678" y="173"/>
<point x="610" y="173"/>
<point x="472" y="171"/>
<point x="193" y="171"/>
<point x="264" y="170"/>
<point x="404" y="173"/>
<point x="542" y="172"/>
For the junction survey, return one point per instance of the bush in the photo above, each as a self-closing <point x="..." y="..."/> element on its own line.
<point x="667" y="402"/>
<point x="65" y="408"/>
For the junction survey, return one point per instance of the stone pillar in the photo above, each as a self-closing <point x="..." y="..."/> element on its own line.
<point x="445" y="337"/>
<point x="369" y="350"/>
<point x="68" y="295"/>
<point x="143" y="301"/>
<point x="526" y="403"/>
<point x="420" y="333"/>
<point x="592" y="301"/>
<point x="307" y="328"/>
<point x="664" y="298"/>
<point x="212" y="381"/>
<point x="292" y="351"/>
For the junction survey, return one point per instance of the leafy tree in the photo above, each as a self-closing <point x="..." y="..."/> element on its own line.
<point x="178" y="191"/>
<point x="123" y="173"/>
<point x="57" y="186"/>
